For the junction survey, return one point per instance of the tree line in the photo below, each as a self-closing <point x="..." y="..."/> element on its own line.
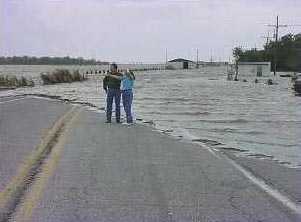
<point x="287" y="49"/>
<point x="28" y="60"/>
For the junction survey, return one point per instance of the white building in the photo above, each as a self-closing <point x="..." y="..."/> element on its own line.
<point x="254" y="69"/>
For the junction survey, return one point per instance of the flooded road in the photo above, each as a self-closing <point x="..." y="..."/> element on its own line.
<point x="201" y="105"/>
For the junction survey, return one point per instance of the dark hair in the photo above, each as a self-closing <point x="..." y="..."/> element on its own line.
<point x="114" y="65"/>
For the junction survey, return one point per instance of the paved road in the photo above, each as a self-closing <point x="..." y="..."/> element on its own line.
<point x="24" y="121"/>
<point x="111" y="172"/>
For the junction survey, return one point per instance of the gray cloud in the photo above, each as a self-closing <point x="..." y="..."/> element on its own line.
<point x="132" y="30"/>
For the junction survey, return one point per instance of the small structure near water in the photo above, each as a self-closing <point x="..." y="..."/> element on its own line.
<point x="254" y="69"/>
<point x="181" y="64"/>
<point x="250" y="72"/>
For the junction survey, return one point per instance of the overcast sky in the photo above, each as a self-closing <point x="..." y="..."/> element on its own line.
<point x="141" y="30"/>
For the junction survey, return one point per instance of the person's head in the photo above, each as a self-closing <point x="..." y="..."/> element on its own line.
<point x="129" y="70"/>
<point x="113" y="67"/>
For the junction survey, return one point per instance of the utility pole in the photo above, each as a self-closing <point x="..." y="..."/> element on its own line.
<point x="277" y="26"/>
<point x="166" y="56"/>
<point x="197" y="58"/>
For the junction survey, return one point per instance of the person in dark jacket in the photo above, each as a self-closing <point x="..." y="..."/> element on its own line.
<point x="112" y="88"/>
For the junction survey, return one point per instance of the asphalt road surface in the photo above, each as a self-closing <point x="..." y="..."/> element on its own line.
<point x="23" y="120"/>
<point x="119" y="173"/>
<point x="111" y="172"/>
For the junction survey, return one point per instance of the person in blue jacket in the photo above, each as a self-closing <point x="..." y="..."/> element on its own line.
<point x="127" y="84"/>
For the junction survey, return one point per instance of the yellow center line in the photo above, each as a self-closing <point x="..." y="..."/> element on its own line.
<point x="38" y="187"/>
<point x="10" y="196"/>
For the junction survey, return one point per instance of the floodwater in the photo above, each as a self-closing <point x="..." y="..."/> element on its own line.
<point x="201" y="105"/>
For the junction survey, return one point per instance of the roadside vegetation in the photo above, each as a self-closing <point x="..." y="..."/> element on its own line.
<point x="287" y="53"/>
<point x="28" y="60"/>
<point x="62" y="76"/>
<point x="11" y="82"/>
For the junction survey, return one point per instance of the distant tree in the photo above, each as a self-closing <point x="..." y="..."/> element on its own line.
<point x="286" y="53"/>
<point x="26" y="60"/>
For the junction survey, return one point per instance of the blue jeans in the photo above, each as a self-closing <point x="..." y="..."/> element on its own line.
<point x="127" y="99"/>
<point x="113" y="94"/>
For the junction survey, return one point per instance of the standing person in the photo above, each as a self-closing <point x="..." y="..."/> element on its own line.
<point x="112" y="87"/>
<point x="127" y="84"/>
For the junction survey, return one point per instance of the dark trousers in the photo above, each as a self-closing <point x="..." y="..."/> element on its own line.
<point x="113" y="94"/>
<point x="127" y="99"/>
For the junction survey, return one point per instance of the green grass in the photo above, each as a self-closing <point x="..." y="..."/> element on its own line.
<point x="62" y="76"/>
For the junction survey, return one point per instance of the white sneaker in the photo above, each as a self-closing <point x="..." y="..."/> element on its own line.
<point x="127" y="124"/>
